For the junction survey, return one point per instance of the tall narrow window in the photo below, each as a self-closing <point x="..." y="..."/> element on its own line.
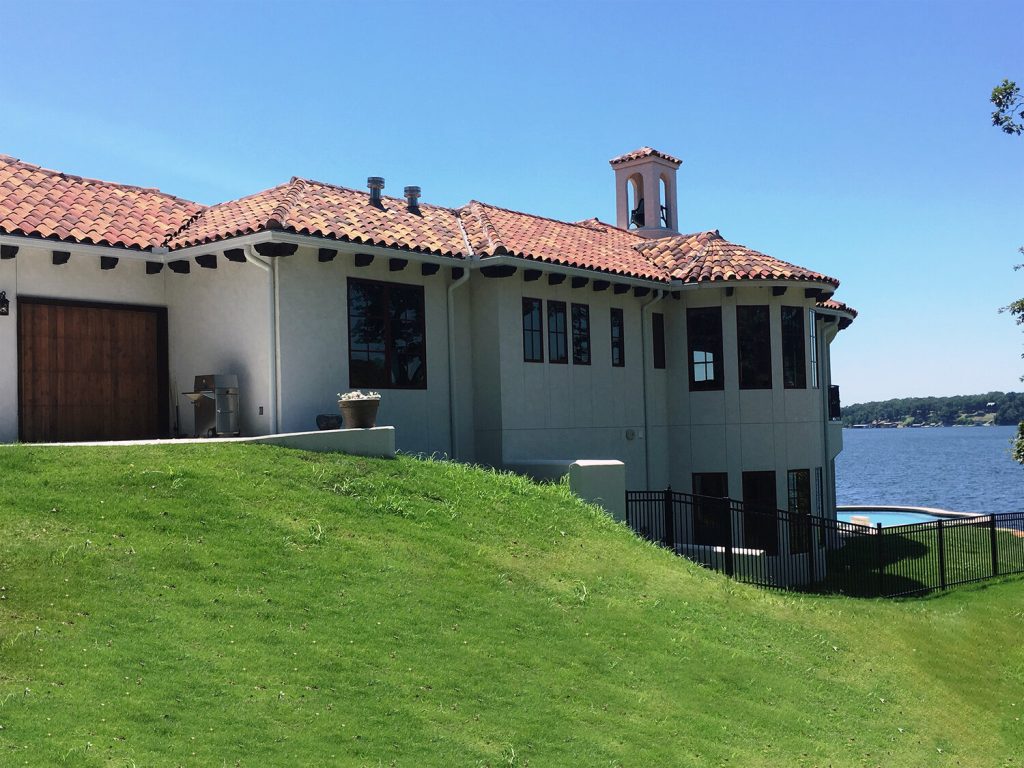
<point x="799" y="494"/>
<point x="760" y="520"/>
<point x="794" y="369"/>
<point x="386" y="335"/>
<point x="813" y="323"/>
<point x="704" y="348"/>
<point x="581" y="334"/>
<point x="558" y="343"/>
<point x="819" y="491"/>
<point x="711" y="524"/>
<point x="618" y="338"/>
<point x="533" y="331"/>
<point x="658" y="338"/>
<point x="754" y="341"/>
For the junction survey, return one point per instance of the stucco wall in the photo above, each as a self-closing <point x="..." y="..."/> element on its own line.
<point x="568" y="411"/>
<point x="217" y="322"/>
<point x="314" y="348"/>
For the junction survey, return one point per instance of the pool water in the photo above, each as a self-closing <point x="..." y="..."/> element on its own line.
<point x="888" y="519"/>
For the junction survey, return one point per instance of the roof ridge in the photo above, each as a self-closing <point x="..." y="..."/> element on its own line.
<point x="343" y="188"/>
<point x="497" y="246"/>
<point x="90" y="180"/>
<point x="280" y="212"/>
<point x="556" y="221"/>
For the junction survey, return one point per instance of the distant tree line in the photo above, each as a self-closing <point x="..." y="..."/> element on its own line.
<point x="1008" y="408"/>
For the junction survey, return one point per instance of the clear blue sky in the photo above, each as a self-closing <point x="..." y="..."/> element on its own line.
<point x="849" y="137"/>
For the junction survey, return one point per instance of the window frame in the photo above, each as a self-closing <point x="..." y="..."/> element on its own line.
<point x="536" y="334"/>
<point x="799" y="502"/>
<point x="581" y="334"/>
<point x="815" y="377"/>
<point x="617" y="322"/>
<point x="388" y="331"/>
<point x="794" y="354"/>
<point x="558" y="340"/>
<point x="717" y="382"/>
<point x="754" y="345"/>
<point x="658" y="340"/>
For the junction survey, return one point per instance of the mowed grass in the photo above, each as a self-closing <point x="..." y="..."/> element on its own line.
<point x="254" y="606"/>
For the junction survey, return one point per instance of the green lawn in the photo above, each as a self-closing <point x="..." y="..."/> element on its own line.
<point x="253" y="606"/>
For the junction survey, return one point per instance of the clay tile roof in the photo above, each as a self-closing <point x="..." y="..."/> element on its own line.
<point x="637" y="154"/>
<point x="838" y="306"/>
<point x="591" y="244"/>
<point x="39" y="202"/>
<point x="708" y="257"/>
<point x="311" y="207"/>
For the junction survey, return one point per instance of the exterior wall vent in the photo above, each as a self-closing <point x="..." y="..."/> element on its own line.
<point x="376" y="184"/>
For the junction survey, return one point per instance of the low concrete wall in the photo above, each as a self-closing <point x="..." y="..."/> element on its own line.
<point x="541" y="469"/>
<point x="602" y="483"/>
<point x="378" y="441"/>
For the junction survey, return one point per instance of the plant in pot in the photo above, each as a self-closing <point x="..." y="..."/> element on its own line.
<point x="359" y="409"/>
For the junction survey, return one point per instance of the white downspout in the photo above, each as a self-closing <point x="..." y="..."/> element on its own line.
<point x="450" y="306"/>
<point x="451" y="363"/>
<point x="658" y="296"/>
<point x="272" y="311"/>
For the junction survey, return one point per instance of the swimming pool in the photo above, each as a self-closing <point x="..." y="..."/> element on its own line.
<point x="886" y="518"/>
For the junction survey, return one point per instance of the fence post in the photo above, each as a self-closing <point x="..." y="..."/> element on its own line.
<point x="995" y="545"/>
<point x="942" y="556"/>
<point x="729" y="569"/>
<point x="670" y="532"/>
<point x="881" y="560"/>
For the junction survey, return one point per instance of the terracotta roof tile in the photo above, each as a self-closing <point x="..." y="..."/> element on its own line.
<point x="706" y="257"/>
<point x="589" y="245"/>
<point x="311" y="207"/>
<point x="39" y="202"/>
<point x="838" y="306"/>
<point x="637" y="154"/>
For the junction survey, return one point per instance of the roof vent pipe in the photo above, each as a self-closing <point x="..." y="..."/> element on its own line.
<point x="376" y="184"/>
<point x="412" y="198"/>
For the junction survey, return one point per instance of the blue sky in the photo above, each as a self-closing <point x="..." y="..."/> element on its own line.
<point x="848" y="137"/>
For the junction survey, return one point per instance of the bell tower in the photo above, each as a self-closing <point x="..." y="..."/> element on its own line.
<point x="645" y="192"/>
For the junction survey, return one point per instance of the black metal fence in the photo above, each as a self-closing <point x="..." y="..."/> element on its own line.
<point x="786" y="550"/>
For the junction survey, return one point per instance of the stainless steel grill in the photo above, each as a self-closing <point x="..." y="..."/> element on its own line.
<point x="215" y="401"/>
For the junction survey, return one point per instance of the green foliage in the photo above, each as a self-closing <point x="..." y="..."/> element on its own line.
<point x="1009" y="409"/>
<point x="255" y="606"/>
<point x="1009" y="113"/>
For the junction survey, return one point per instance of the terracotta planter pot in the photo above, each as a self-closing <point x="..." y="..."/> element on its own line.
<point x="359" y="414"/>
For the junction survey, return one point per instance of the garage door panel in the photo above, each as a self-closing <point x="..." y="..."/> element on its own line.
<point x="91" y="372"/>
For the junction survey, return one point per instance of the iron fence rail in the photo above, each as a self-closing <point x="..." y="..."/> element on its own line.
<point x="786" y="550"/>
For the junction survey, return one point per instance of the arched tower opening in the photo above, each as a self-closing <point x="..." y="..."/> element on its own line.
<point x="645" y="183"/>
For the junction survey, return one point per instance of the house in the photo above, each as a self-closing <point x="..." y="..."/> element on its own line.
<point x="495" y="336"/>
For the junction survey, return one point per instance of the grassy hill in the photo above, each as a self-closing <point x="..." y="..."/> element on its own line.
<point x="253" y="606"/>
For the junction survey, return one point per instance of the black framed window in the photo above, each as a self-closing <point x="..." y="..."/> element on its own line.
<point x="704" y="348"/>
<point x="658" y="338"/>
<point x="618" y="338"/>
<point x="533" y="331"/>
<point x="798" y="486"/>
<point x="558" y="344"/>
<point x="760" y="520"/>
<point x="386" y="335"/>
<point x="812" y="321"/>
<point x="754" y="341"/>
<point x="581" y="334"/>
<point x="711" y="524"/>
<point x="794" y="361"/>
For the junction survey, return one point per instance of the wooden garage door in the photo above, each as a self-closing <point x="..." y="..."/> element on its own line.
<point x="91" y="371"/>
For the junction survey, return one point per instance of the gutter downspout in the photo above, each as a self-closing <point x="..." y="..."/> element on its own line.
<point x="658" y="296"/>
<point x="450" y="306"/>
<point x="272" y="311"/>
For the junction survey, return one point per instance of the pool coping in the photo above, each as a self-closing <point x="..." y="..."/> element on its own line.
<point x="944" y="514"/>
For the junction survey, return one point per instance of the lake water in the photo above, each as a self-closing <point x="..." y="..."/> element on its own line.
<point x="962" y="469"/>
